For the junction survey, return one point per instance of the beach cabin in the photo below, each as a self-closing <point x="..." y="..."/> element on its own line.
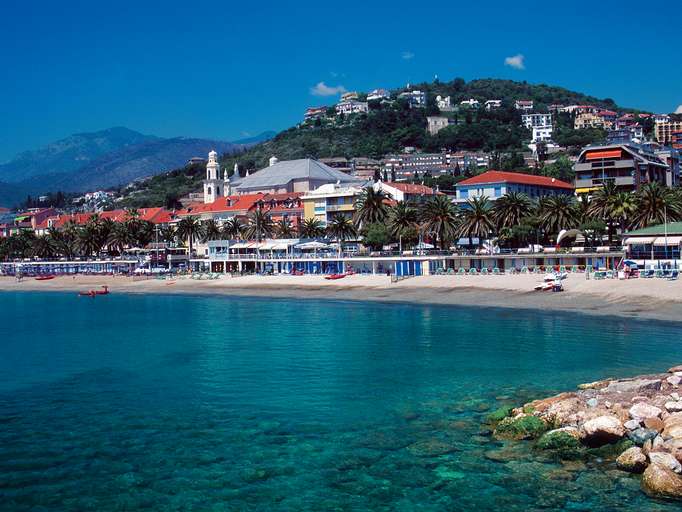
<point x="655" y="246"/>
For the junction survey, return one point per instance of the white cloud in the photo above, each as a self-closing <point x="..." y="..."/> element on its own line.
<point x="407" y="55"/>
<point x="516" y="62"/>
<point x="322" y="89"/>
<point x="679" y="110"/>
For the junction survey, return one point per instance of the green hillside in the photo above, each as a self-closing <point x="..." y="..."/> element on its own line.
<point x="388" y="128"/>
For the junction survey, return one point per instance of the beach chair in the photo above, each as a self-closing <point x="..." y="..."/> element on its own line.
<point x="575" y="269"/>
<point x="496" y="271"/>
<point x="609" y="274"/>
<point x="562" y="268"/>
<point x="674" y="275"/>
<point x="658" y="273"/>
<point x="451" y="271"/>
<point x="461" y="271"/>
<point x="484" y="271"/>
<point x="473" y="271"/>
<point x="524" y="270"/>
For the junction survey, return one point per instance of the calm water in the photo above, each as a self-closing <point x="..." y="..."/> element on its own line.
<point x="213" y="404"/>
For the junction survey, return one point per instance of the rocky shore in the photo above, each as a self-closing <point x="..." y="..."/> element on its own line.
<point x="637" y="422"/>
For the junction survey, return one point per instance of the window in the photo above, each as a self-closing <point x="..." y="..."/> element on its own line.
<point x="464" y="193"/>
<point x="498" y="191"/>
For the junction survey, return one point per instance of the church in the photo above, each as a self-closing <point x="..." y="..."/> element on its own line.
<point x="287" y="176"/>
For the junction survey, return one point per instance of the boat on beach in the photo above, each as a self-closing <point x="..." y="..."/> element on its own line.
<point x="44" y="278"/>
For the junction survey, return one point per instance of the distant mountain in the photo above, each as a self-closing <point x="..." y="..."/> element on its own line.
<point x="73" y="152"/>
<point x="261" y="137"/>
<point x="104" y="159"/>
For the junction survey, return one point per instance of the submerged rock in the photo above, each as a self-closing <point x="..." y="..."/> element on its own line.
<point x="522" y="427"/>
<point x="560" y="439"/>
<point x="661" y="482"/>
<point x="632" y="460"/>
<point x="602" y="430"/>
<point x="499" y="414"/>
<point x="431" y="448"/>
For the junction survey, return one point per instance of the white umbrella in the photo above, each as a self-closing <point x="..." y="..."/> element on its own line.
<point x="312" y="245"/>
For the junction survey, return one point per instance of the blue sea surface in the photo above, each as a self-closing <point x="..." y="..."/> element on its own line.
<point x="132" y="402"/>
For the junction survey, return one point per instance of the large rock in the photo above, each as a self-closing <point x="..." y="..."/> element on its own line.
<point x="632" y="460"/>
<point x="661" y="482"/>
<point x="642" y="410"/>
<point x="675" y="369"/>
<point x="602" y="430"/>
<point x="633" y="386"/>
<point x="673" y="425"/>
<point x="665" y="459"/>
<point x="642" y="435"/>
<point x="632" y="424"/>
<point x="674" y="380"/>
<point x="522" y="427"/>
<point x="654" y="424"/>
<point x="674" y="406"/>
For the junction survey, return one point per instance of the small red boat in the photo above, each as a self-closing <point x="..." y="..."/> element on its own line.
<point x="44" y="278"/>
<point x="93" y="293"/>
<point x="333" y="277"/>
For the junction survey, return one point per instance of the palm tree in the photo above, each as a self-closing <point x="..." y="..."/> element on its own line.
<point x="66" y="239"/>
<point x="43" y="247"/>
<point x="439" y="216"/>
<point x="601" y="206"/>
<point x="88" y="239"/>
<point x="233" y="228"/>
<point x="120" y="237"/>
<point x="510" y="209"/>
<point x="557" y="213"/>
<point x="284" y="229"/>
<point x="371" y="207"/>
<point x="259" y="226"/>
<point x="189" y="229"/>
<point x="167" y="233"/>
<point x="312" y="228"/>
<point x="655" y="205"/>
<point x="477" y="219"/>
<point x="623" y="208"/>
<point x="210" y="231"/>
<point x="341" y="228"/>
<point x="402" y="219"/>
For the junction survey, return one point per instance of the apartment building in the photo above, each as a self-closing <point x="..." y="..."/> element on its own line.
<point x="629" y="166"/>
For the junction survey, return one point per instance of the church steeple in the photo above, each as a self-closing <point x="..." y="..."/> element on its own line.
<point x="212" y="183"/>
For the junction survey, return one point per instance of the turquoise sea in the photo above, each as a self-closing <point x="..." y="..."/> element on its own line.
<point x="186" y="403"/>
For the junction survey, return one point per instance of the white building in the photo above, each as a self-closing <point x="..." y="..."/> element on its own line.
<point x="378" y="95"/>
<point x="542" y="133"/>
<point x="531" y="121"/>
<point x="213" y="185"/>
<point x="471" y="103"/>
<point x="444" y="103"/>
<point x="492" y="104"/>
<point x="523" y="104"/>
<point x="349" y="96"/>
<point x="414" y="98"/>
<point x="351" y="107"/>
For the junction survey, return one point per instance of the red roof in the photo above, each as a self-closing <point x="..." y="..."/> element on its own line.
<point x="153" y="215"/>
<point x="489" y="177"/>
<point x="412" y="188"/>
<point x="223" y="204"/>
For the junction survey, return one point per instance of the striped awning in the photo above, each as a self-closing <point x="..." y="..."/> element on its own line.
<point x="596" y="155"/>
<point x="668" y="241"/>
<point x="639" y="240"/>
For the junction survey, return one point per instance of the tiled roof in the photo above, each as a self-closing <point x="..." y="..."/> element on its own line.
<point x="412" y="188"/>
<point x="153" y="215"/>
<point x="223" y="204"/>
<point x="516" y="177"/>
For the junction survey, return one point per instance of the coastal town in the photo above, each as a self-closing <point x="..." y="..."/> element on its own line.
<point x="617" y="217"/>
<point x="320" y="257"/>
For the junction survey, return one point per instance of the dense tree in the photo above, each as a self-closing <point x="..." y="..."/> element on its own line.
<point x="189" y="230"/>
<point x="371" y="207"/>
<point x="439" y="217"/>
<point x="284" y="229"/>
<point x="311" y="228"/>
<point x="477" y="219"/>
<point x="259" y="225"/>
<point x="510" y="209"/>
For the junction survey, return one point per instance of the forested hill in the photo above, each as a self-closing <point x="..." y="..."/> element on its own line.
<point x="388" y="128"/>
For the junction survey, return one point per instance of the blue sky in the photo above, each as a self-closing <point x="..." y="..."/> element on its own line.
<point x="224" y="70"/>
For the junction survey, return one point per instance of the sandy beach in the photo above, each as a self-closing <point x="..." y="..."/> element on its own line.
<point x="638" y="298"/>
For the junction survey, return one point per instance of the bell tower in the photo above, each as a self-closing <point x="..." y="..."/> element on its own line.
<point x="212" y="183"/>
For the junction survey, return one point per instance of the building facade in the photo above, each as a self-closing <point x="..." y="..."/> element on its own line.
<point x="495" y="184"/>
<point x="628" y="166"/>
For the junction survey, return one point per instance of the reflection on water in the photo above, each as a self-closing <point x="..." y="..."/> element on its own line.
<point x="186" y="403"/>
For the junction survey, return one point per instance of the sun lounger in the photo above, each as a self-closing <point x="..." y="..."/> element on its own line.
<point x="473" y="271"/>
<point x="674" y="275"/>
<point x="484" y="271"/>
<point x="461" y="271"/>
<point x="496" y="271"/>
